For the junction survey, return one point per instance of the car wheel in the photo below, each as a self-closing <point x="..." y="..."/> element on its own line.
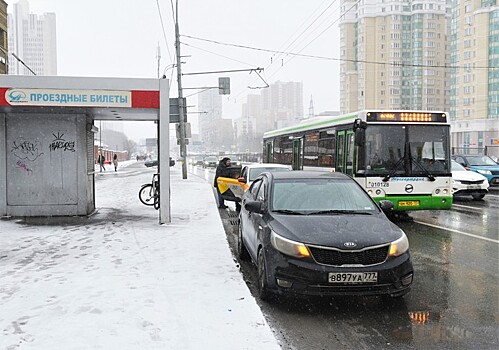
<point x="242" y="252"/>
<point x="478" y="197"/>
<point x="263" y="284"/>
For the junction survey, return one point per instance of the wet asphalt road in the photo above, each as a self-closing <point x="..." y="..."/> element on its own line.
<point x="453" y="304"/>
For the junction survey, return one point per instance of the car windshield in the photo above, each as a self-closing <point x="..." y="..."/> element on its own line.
<point x="480" y="160"/>
<point x="457" y="167"/>
<point x="316" y="195"/>
<point x="255" y="172"/>
<point x="211" y="159"/>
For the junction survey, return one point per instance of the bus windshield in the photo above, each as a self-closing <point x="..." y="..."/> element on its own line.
<point x="406" y="150"/>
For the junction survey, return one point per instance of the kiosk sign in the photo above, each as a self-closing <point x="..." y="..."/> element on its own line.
<point x="68" y="98"/>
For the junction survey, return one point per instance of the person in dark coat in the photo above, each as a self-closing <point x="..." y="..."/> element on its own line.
<point x="101" y="159"/>
<point x="223" y="170"/>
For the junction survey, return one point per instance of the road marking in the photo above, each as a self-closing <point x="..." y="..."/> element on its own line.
<point x="465" y="206"/>
<point x="452" y="230"/>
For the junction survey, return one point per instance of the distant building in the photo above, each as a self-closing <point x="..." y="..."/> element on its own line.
<point x="278" y="106"/>
<point x="474" y="108"/>
<point x="4" y="59"/>
<point x="394" y="55"/>
<point x="283" y="104"/>
<point x="216" y="133"/>
<point x="32" y="38"/>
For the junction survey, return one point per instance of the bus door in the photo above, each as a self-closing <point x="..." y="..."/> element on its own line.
<point x="297" y="161"/>
<point x="269" y="154"/>
<point x="345" y="152"/>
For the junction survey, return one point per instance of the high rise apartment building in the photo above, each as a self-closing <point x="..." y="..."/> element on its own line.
<point x="210" y="117"/>
<point x="474" y="107"/>
<point x="4" y="59"/>
<point x="394" y="54"/>
<point x="32" y="38"/>
<point x="282" y="104"/>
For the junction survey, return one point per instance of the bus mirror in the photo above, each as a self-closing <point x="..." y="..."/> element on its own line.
<point x="359" y="124"/>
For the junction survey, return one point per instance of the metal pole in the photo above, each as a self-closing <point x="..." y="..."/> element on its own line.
<point x="181" y="107"/>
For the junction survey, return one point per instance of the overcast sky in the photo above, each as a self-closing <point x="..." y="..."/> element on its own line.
<point x="119" y="38"/>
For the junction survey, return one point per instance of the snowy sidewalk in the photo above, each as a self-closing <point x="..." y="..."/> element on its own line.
<point x="119" y="280"/>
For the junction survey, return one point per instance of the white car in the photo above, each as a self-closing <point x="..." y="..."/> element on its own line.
<point x="466" y="183"/>
<point x="251" y="171"/>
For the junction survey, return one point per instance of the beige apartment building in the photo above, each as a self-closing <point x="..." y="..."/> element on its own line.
<point x="394" y="55"/>
<point x="4" y="59"/>
<point x="474" y="107"/>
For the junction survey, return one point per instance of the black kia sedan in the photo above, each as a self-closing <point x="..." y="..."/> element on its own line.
<point x="320" y="233"/>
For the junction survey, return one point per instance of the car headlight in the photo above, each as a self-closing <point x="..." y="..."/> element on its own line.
<point x="485" y="172"/>
<point x="399" y="247"/>
<point x="289" y="247"/>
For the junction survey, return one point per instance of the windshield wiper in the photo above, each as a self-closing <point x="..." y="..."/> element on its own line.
<point x="394" y="170"/>
<point x="336" y="211"/>
<point x="288" y="211"/>
<point x="421" y="166"/>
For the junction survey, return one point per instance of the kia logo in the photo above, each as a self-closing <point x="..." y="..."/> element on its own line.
<point x="409" y="188"/>
<point x="350" y="244"/>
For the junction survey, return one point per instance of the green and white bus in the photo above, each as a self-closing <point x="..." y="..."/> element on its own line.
<point x="396" y="155"/>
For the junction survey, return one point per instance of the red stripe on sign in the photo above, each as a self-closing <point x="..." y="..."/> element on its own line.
<point x="3" y="101"/>
<point x="145" y="99"/>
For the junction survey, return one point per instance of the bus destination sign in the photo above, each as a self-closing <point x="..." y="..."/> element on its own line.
<point x="422" y="117"/>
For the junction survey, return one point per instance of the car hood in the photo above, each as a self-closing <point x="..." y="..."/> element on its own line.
<point x="485" y="167"/>
<point x="334" y="230"/>
<point x="462" y="175"/>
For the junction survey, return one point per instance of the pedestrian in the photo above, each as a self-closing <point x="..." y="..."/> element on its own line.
<point x="101" y="161"/>
<point x="223" y="170"/>
<point x="115" y="162"/>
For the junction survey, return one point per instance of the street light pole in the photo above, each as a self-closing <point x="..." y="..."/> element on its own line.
<point x="181" y="107"/>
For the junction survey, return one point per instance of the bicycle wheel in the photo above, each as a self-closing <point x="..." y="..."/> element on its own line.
<point x="145" y="194"/>
<point x="156" y="199"/>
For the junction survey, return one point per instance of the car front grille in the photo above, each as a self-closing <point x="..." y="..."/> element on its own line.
<point x="336" y="257"/>
<point x="479" y="182"/>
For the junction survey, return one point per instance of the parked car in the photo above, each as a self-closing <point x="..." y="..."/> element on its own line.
<point x="154" y="162"/>
<point x="481" y="164"/>
<point x="210" y="162"/>
<point x="251" y="171"/>
<point x="468" y="183"/>
<point x="318" y="233"/>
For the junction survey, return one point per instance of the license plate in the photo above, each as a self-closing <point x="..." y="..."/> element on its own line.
<point x="409" y="204"/>
<point x="473" y="187"/>
<point x="353" y="277"/>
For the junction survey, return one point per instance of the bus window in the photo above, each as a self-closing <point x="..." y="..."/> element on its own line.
<point x="326" y="148"/>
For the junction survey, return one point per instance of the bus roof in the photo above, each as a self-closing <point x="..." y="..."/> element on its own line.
<point x="328" y="121"/>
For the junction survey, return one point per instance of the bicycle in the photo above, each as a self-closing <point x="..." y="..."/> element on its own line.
<point x="149" y="193"/>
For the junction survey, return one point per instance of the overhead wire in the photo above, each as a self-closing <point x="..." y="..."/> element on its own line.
<point x="341" y="59"/>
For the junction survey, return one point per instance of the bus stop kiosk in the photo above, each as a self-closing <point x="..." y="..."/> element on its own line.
<point x="47" y="131"/>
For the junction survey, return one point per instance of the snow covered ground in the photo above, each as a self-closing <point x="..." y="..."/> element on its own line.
<point x="119" y="280"/>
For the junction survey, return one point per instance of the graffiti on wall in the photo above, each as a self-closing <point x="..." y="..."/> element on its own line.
<point x="59" y="143"/>
<point x="26" y="149"/>
<point x="21" y="164"/>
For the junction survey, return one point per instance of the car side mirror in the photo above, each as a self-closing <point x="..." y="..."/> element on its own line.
<point x="386" y="206"/>
<point x="254" y="206"/>
<point x="241" y="179"/>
